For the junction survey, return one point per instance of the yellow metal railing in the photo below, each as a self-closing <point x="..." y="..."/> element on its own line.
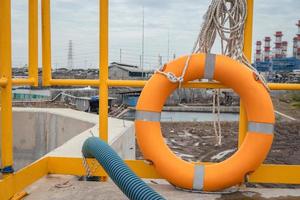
<point x="5" y="74"/>
<point x="13" y="183"/>
<point x="32" y="46"/>
<point x="6" y="81"/>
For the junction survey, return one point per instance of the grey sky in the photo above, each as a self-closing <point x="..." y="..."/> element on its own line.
<point x="77" y="20"/>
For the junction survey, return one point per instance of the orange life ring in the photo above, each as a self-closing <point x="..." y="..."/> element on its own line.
<point x="246" y="159"/>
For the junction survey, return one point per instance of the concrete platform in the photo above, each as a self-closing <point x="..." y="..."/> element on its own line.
<point x="38" y="131"/>
<point x="62" y="187"/>
<point x="121" y="137"/>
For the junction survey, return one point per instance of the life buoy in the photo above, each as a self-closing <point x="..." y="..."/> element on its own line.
<point x="245" y="160"/>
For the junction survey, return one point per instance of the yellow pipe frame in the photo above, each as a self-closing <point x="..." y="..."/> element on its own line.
<point x="103" y="70"/>
<point x="5" y="74"/>
<point x="32" y="79"/>
<point x="21" y="81"/>
<point x="266" y="173"/>
<point x="14" y="183"/>
<point x="33" y="43"/>
<point x="78" y="82"/>
<point x="46" y="43"/>
<point x="284" y="86"/>
<point x="247" y="52"/>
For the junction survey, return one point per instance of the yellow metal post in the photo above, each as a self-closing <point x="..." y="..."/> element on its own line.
<point x="287" y="174"/>
<point x="15" y="183"/>
<point x="6" y="96"/>
<point x="33" y="41"/>
<point x="242" y="124"/>
<point x="103" y="71"/>
<point x="248" y="30"/>
<point x="46" y="42"/>
<point x="247" y="51"/>
<point x="32" y="46"/>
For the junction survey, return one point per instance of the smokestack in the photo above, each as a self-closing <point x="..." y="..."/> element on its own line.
<point x="298" y="25"/>
<point x="278" y="44"/>
<point x="258" y="56"/>
<point x="298" y="48"/>
<point x="297" y="45"/>
<point x="267" y="49"/>
<point x="284" y="49"/>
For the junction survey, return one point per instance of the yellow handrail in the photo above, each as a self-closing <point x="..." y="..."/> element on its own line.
<point x="5" y="73"/>
<point x="248" y="53"/>
<point x="32" y="47"/>
<point x="33" y="43"/>
<point x="103" y="71"/>
<point x="46" y="42"/>
<point x="265" y="173"/>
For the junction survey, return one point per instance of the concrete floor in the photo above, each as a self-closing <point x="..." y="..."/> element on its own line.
<point x="62" y="187"/>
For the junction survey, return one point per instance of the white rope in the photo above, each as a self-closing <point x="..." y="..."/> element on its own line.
<point x="214" y="112"/>
<point x="219" y="142"/>
<point x="172" y="77"/>
<point x="226" y="19"/>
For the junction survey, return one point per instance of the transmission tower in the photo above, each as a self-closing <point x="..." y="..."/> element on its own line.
<point x="70" y="55"/>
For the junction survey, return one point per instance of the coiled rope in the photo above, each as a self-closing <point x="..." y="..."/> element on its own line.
<point x="224" y="19"/>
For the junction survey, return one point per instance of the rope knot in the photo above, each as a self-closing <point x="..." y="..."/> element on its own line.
<point x="173" y="78"/>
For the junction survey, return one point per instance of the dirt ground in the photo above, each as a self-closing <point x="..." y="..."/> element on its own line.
<point x="197" y="142"/>
<point x="288" y="103"/>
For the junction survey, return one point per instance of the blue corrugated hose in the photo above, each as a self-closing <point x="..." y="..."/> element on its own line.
<point x="131" y="185"/>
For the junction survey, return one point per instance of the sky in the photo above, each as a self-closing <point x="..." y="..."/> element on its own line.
<point x="171" y="27"/>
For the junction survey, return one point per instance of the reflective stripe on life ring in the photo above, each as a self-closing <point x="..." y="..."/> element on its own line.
<point x="245" y="160"/>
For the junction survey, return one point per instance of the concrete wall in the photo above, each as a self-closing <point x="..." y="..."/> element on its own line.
<point x="124" y="145"/>
<point x="40" y="131"/>
<point x="37" y="133"/>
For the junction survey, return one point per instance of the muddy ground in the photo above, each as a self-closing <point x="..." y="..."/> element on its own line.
<point x="197" y="142"/>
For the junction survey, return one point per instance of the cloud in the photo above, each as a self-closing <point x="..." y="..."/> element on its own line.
<point x="78" y="21"/>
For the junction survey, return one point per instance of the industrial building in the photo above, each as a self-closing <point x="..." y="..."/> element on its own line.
<point x="128" y="72"/>
<point x="276" y="60"/>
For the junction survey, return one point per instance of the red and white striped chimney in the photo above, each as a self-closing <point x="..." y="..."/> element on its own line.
<point x="295" y="40"/>
<point x="298" y="47"/>
<point x="258" y="56"/>
<point x="267" y="49"/>
<point x="284" y="49"/>
<point x="298" y="41"/>
<point x="278" y="44"/>
<point x="298" y="25"/>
